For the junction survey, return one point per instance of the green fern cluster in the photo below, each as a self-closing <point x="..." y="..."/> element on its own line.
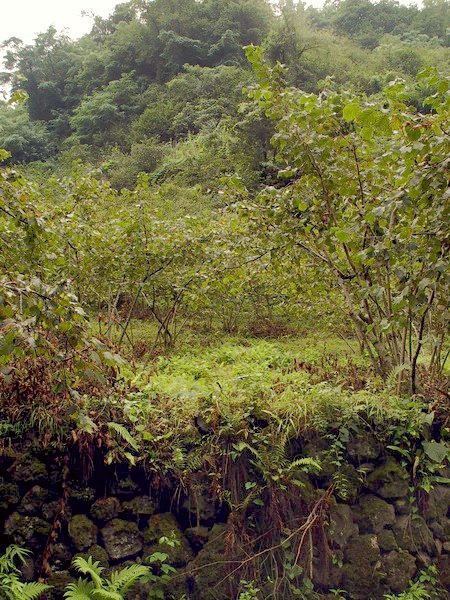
<point x="100" y="588"/>
<point x="11" y="588"/>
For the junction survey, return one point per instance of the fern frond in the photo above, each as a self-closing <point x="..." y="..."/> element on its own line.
<point x="305" y="462"/>
<point x="32" y="590"/>
<point x="122" y="580"/>
<point x="81" y="590"/>
<point x="123" y="432"/>
<point x="91" y="568"/>
<point x="106" y="595"/>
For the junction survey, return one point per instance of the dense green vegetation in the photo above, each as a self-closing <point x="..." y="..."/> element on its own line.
<point x="224" y="254"/>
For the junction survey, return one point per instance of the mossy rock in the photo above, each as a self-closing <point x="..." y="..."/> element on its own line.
<point x="105" y="509"/>
<point x="438" y="504"/>
<point x="391" y="480"/>
<point x="125" y="489"/>
<point x="28" y="470"/>
<point x="82" y="532"/>
<point x="373" y="514"/>
<point x="9" y="495"/>
<point x="140" y="506"/>
<point x="387" y="541"/>
<point x="364" y="447"/>
<point x="35" y="499"/>
<point x="207" y="570"/>
<point x="413" y="535"/>
<point x="399" y="567"/>
<point x="362" y="576"/>
<point x="164" y="525"/>
<point x="342" y="524"/>
<point x="61" y="557"/>
<point x="122" y="539"/>
<point x="80" y="496"/>
<point x="26" y="530"/>
<point x="97" y="553"/>
<point x="59" y="581"/>
<point x="197" y="536"/>
<point x="202" y="508"/>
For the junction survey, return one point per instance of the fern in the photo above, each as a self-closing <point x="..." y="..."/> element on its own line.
<point x="11" y="588"/>
<point x="122" y="580"/>
<point x="123" y="432"/>
<point x="91" y="568"/>
<point x="32" y="590"/>
<point x="99" y="588"/>
<point x="81" y="590"/>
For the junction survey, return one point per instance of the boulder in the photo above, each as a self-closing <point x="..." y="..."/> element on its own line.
<point x="443" y="565"/>
<point x="362" y="577"/>
<point x="61" y="557"/>
<point x="386" y="540"/>
<point x="208" y="569"/>
<point x="141" y="506"/>
<point x="121" y="539"/>
<point x="80" y="496"/>
<point x="177" y="548"/>
<point x="202" y="508"/>
<point x="342" y="525"/>
<point x="125" y="489"/>
<point x="399" y="567"/>
<point x="35" y="499"/>
<point x="391" y="480"/>
<point x="105" y="509"/>
<point x="364" y="447"/>
<point x="373" y="514"/>
<point x="82" y="532"/>
<point x="27" y="531"/>
<point x="438" y="505"/>
<point x="58" y="580"/>
<point x="413" y="535"/>
<point x="9" y="495"/>
<point x="28" y="470"/>
<point x="197" y="536"/>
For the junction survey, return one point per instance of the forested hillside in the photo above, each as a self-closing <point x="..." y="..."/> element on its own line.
<point x="224" y="317"/>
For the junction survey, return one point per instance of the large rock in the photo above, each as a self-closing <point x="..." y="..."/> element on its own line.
<point x="26" y="530"/>
<point x="202" y="508"/>
<point x="80" y="496"/>
<point x="438" y="505"/>
<point x="413" y="535"/>
<point x="197" y="536"/>
<point x="61" y="557"/>
<point x="443" y="565"/>
<point x="364" y="447"/>
<point x="387" y="541"/>
<point x="82" y="532"/>
<point x="58" y="580"/>
<point x="121" y="539"/>
<point x="399" y="567"/>
<point x="105" y="509"/>
<point x="362" y="576"/>
<point x="373" y="514"/>
<point x="209" y="568"/>
<point x="28" y="470"/>
<point x="139" y="507"/>
<point x="391" y="480"/>
<point x="164" y="525"/>
<point x="9" y="495"/>
<point x="342" y="525"/>
<point x="35" y="499"/>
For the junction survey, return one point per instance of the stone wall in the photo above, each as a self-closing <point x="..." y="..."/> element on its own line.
<point x="377" y="541"/>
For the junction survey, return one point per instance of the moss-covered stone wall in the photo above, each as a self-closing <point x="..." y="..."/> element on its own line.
<point x="375" y="542"/>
